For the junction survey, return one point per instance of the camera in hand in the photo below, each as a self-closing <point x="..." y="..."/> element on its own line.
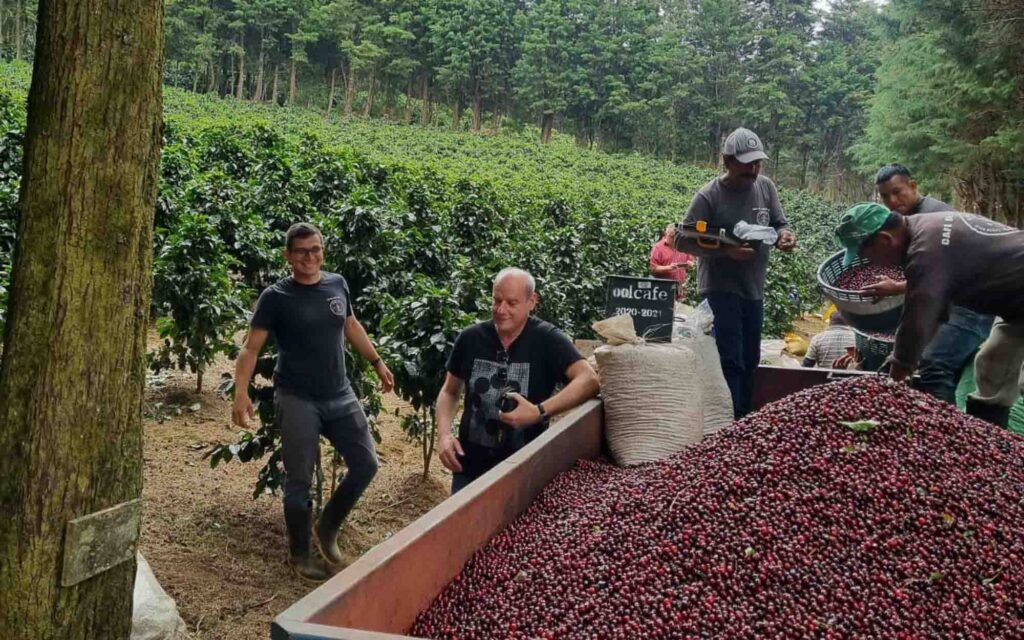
<point x="506" y="402"/>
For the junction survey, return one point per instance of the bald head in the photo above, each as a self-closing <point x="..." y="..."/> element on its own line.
<point x="513" y="301"/>
<point x="511" y="276"/>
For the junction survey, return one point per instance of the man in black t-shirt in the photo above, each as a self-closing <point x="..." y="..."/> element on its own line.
<point x="962" y="334"/>
<point x="310" y="316"/>
<point x="511" y="355"/>
<point x="898" y="191"/>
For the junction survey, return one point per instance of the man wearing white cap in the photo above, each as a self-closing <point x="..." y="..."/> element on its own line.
<point x="731" y="278"/>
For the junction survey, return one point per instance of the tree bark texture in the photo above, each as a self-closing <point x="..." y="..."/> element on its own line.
<point x="240" y="89"/>
<point x="330" y="98"/>
<point x="293" y="85"/>
<point x="19" y="19"/>
<point x="407" y="117"/>
<point x="348" y="78"/>
<point x="547" y="123"/>
<point x="257" y="95"/>
<point x="425" y="106"/>
<point x="73" y="369"/>
<point x="274" y="87"/>
<point x="478" y="103"/>
<point x="371" y="86"/>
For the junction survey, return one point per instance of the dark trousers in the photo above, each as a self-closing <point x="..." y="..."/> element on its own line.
<point x="344" y="424"/>
<point x="737" y="332"/>
<point x="460" y="480"/>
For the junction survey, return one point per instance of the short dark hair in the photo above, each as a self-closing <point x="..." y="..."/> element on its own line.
<point x="890" y="171"/>
<point x="894" y="221"/>
<point x="300" y="230"/>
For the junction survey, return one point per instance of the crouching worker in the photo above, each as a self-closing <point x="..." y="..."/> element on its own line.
<point x="832" y="345"/>
<point x="310" y="316"/>
<point x="512" y="364"/>
<point x="950" y="258"/>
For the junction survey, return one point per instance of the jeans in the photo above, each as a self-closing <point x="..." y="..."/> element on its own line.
<point x="737" y="332"/>
<point x="950" y="351"/>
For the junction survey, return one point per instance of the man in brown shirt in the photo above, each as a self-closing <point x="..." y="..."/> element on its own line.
<point x="950" y="258"/>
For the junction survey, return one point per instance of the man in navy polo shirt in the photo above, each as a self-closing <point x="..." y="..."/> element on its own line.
<point x="310" y="316"/>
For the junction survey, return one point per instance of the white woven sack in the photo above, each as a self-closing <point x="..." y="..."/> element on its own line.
<point x="717" y="399"/>
<point x="652" y="400"/>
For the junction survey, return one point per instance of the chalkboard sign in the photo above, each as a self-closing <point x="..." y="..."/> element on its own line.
<point x="649" y="300"/>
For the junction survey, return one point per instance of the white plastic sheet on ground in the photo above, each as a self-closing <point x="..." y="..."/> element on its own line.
<point x="154" y="614"/>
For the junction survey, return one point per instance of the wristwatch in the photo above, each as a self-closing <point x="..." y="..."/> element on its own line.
<point x="376" y="362"/>
<point x="540" y="410"/>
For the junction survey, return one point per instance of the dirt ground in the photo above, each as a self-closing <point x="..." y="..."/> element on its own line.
<point x="219" y="553"/>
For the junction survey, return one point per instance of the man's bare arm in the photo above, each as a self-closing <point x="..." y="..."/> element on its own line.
<point x="583" y="385"/>
<point x="356" y="334"/>
<point x="242" y="410"/>
<point x="448" y="447"/>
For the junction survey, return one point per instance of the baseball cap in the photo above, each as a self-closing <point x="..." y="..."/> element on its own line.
<point x="857" y="224"/>
<point x="744" y="145"/>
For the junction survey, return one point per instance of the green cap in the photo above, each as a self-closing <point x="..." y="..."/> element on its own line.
<point x="857" y="224"/>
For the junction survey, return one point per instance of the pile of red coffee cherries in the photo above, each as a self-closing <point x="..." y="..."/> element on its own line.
<point x="851" y="510"/>
<point x="856" y="278"/>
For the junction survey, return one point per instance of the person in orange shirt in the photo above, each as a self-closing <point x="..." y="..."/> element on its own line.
<point x="668" y="263"/>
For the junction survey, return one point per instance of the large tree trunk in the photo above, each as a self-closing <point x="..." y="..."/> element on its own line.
<point x="74" y="345"/>
<point x="388" y="112"/>
<point x="330" y="98"/>
<point x="293" y="85"/>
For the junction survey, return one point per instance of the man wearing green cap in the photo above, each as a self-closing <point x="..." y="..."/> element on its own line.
<point x="958" y="339"/>
<point x="950" y="258"/>
<point x="732" y="278"/>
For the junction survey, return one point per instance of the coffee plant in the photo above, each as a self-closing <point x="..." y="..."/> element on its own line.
<point x="12" y="118"/>
<point x="405" y="212"/>
<point x="419" y="331"/>
<point x="199" y="306"/>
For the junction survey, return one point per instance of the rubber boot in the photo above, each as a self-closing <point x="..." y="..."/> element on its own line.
<point x="304" y="563"/>
<point x="327" y="541"/>
<point x="993" y="413"/>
